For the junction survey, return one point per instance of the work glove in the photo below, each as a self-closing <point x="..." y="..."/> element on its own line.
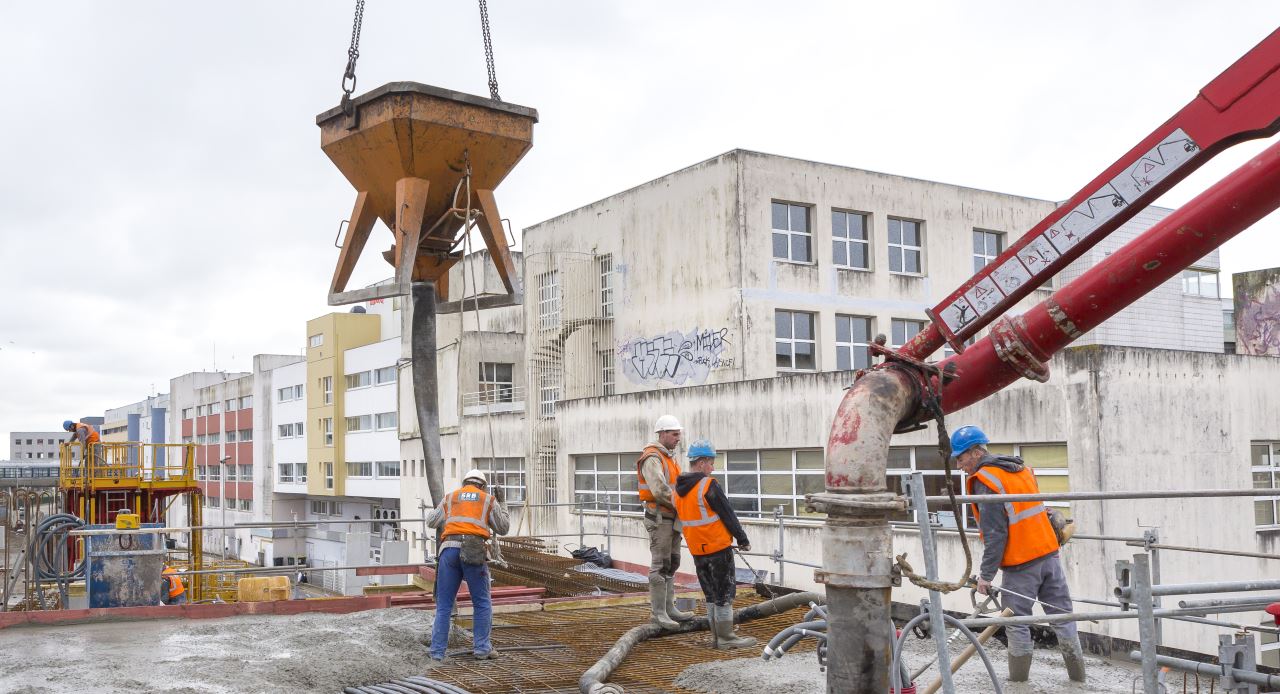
<point x="744" y="548"/>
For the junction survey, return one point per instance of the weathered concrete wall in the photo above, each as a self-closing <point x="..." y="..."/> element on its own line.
<point x="1132" y="419"/>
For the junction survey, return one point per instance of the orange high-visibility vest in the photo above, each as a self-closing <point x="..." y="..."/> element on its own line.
<point x="1030" y="532"/>
<point x="90" y="437"/>
<point x="671" y="472"/>
<point x="175" y="583"/>
<point x="466" y="512"/>
<point x="703" y="530"/>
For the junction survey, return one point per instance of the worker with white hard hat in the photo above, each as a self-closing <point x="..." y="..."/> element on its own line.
<point x="469" y="517"/>
<point x="656" y="472"/>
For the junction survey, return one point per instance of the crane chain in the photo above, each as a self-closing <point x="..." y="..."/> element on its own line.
<point x="353" y="54"/>
<point x="488" y="50"/>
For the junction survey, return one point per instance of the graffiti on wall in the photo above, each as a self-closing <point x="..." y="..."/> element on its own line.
<point x="679" y="358"/>
<point x="1257" y="308"/>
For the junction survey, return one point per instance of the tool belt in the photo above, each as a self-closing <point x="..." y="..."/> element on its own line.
<point x="474" y="549"/>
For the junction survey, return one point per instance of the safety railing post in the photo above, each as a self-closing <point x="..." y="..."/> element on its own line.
<point x="782" y="541"/>
<point x="1150" y="537"/>
<point x="582" y="530"/>
<point x="937" y="624"/>
<point x="1142" y="599"/>
<point x="608" y="525"/>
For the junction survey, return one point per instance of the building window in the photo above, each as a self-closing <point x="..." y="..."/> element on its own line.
<point x="326" y="387"/>
<point x="606" y="372"/>
<point x="246" y="435"/>
<point x="987" y="245"/>
<point x="246" y="504"/>
<point x="606" y="285"/>
<point x="853" y="337"/>
<point x="290" y="431"/>
<point x="850" y="246"/>
<point x="496" y="384"/>
<point x="359" y="469"/>
<point x="794" y="342"/>
<point x="213" y="408"/>
<point x="315" y="340"/>
<point x="246" y="473"/>
<point x="199" y="410"/>
<point x="388" y="469"/>
<point x="289" y="393"/>
<point x="231" y="473"/>
<point x="384" y="421"/>
<point x="904" y="329"/>
<point x="328" y="475"/>
<point x="1049" y="463"/>
<point x="211" y="501"/>
<point x="603" y="481"/>
<point x="548" y="300"/>
<point x="231" y="437"/>
<point x="186" y="414"/>
<point x="359" y="423"/>
<point x="792" y="240"/>
<point x="548" y="394"/>
<point x="1265" y="464"/>
<point x="246" y="401"/>
<point x="507" y="473"/>
<point x="213" y="437"/>
<point x="230" y="405"/>
<point x="386" y="374"/>
<point x="284" y="472"/>
<point x="326" y="426"/>
<point x="359" y="380"/>
<point x="906" y="247"/>
<point x="904" y="460"/>
<point x="326" y="508"/>
<point x="214" y="472"/>
<point x="1200" y="283"/>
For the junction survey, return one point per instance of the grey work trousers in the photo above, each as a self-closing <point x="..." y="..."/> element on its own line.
<point x="1044" y="580"/>
<point x="664" y="546"/>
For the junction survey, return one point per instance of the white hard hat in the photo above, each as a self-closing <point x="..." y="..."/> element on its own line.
<point x="667" y="422"/>
<point x="476" y="475"/>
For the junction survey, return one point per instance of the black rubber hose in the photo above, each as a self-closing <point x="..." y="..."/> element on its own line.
<point x="593" y="680"/>
<point x="443" y="687"/>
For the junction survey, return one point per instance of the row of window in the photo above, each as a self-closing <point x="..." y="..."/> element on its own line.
<point x="289" y="393"/>
<point x="39" y="442"/>
<point x="320" y="507"/>
<point x="230" y="405"/>
<point x="382" y="469"/>
<point x="796" y="339"/>
<point x="232" y="504"/>
<point x="292" y="430"/>
<point x="291" y="473"/>
<point x="215" y="437"/>
<point x="214" y="472"/>
<point x="367" y="422"/>
<point x="550" y="304"/>
<point x="375" y="377"/>
<point x="758" y="482"/>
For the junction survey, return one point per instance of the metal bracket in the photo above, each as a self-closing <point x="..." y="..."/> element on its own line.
<point x="855" y="504"/>
<point x="1236" y="652"/>
<point x="1124" y="583"/>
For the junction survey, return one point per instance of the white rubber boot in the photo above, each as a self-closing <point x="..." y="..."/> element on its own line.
<point x="672" y="612"/>
<point x="658" y="604"/>
<point x="725" y="638"/>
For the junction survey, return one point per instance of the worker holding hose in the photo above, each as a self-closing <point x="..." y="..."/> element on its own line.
<point x="656" y="473"/>
<point x="1018" y="540"/>
<point x="710" y="526"/>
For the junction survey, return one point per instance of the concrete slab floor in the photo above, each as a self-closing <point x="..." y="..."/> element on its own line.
<point x="294" y="655"/>
<point x="799" y="674"/>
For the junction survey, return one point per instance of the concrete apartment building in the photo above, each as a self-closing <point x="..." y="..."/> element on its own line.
<point x="145" y="421"/>
<point x="27" y="446"/>
<point x="737" y="294"/>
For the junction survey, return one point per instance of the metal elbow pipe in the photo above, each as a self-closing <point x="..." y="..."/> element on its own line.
<point x="857" y="544"/>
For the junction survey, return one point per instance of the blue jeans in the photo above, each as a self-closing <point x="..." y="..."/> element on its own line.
<point x="450" y="573"/>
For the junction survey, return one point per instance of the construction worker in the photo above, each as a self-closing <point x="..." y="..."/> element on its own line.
<point x="172" y="591"/>
<point x="1019" y="541"/>
<point x="90" y="442"/>
<point x="710" y="526"/>
<point x="469" y="517"/>
<point x="656" y="472"/>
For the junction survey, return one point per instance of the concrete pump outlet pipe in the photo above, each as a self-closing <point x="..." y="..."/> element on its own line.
<point x="593" y="680"/>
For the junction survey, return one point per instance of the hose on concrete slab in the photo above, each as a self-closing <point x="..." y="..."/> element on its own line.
<point x="408" y="685"/>
<point x="593" y="680"/>
<point x="49" y="551"/>
<point x="896" y="672"/>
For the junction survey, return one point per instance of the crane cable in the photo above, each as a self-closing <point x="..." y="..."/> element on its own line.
<point x="353" y="54"/>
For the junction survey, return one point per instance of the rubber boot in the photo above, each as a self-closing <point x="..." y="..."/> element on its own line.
<point x="1019" y="667"/>
<point x="1073" y="657"/>
<point x="672" y="612"/>
<point x="725" y="638"/>
<point x="658" y="603"/>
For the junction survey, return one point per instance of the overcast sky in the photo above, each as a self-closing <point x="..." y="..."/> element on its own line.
<point x="165" y="206"/>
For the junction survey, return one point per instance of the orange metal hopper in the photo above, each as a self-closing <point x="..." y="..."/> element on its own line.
<point x="405" y="147"/>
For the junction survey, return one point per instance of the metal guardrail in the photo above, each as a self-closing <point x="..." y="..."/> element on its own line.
<point x="497" y="395"/>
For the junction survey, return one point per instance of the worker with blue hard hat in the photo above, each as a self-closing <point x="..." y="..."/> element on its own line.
<point x="710" y="528"/>
<point x="1020" y="542"/>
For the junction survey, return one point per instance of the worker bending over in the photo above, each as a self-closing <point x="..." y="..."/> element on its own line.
<point x="710" y="527"/>
<point x="657" y="470"/>
<point x="469" y="516"/>
<point x="172" y="591"/>
<point x="1018" y="540"/>
<point x="90" y="442"/>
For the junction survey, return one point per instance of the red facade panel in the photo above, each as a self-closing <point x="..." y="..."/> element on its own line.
<point x="244" y="419"/>
<point x="244" y="453"/>
<point x="188" y="427"/>
<point x="244" y="490"/>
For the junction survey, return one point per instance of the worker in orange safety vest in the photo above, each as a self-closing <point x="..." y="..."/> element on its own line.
<point x="469" y="517"/>
<point x="1019" y="541"/>
<point x="710" y="526"/>
<point x="89" y="440"/>
<point x="656" y="473"/>
<point x="172" y="591"/>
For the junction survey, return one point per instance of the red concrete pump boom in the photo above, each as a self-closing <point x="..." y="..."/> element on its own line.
<point x="898" y="395"/>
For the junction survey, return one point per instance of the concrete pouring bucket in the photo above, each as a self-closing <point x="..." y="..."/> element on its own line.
<point x="406" y="148"/>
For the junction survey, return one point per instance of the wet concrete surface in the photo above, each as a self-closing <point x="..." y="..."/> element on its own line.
<point x="287" y="655"/>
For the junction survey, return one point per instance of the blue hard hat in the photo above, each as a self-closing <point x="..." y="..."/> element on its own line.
<point x="967" y="437"/>
<point x="701" y="448"/>
<point x="68" y="425"/>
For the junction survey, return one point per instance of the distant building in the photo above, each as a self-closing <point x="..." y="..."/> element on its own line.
<point x="26" y="446"/>
<point x="145" y="421"/>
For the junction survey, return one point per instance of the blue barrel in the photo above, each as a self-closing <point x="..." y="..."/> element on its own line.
<point x="124" y="570"/>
